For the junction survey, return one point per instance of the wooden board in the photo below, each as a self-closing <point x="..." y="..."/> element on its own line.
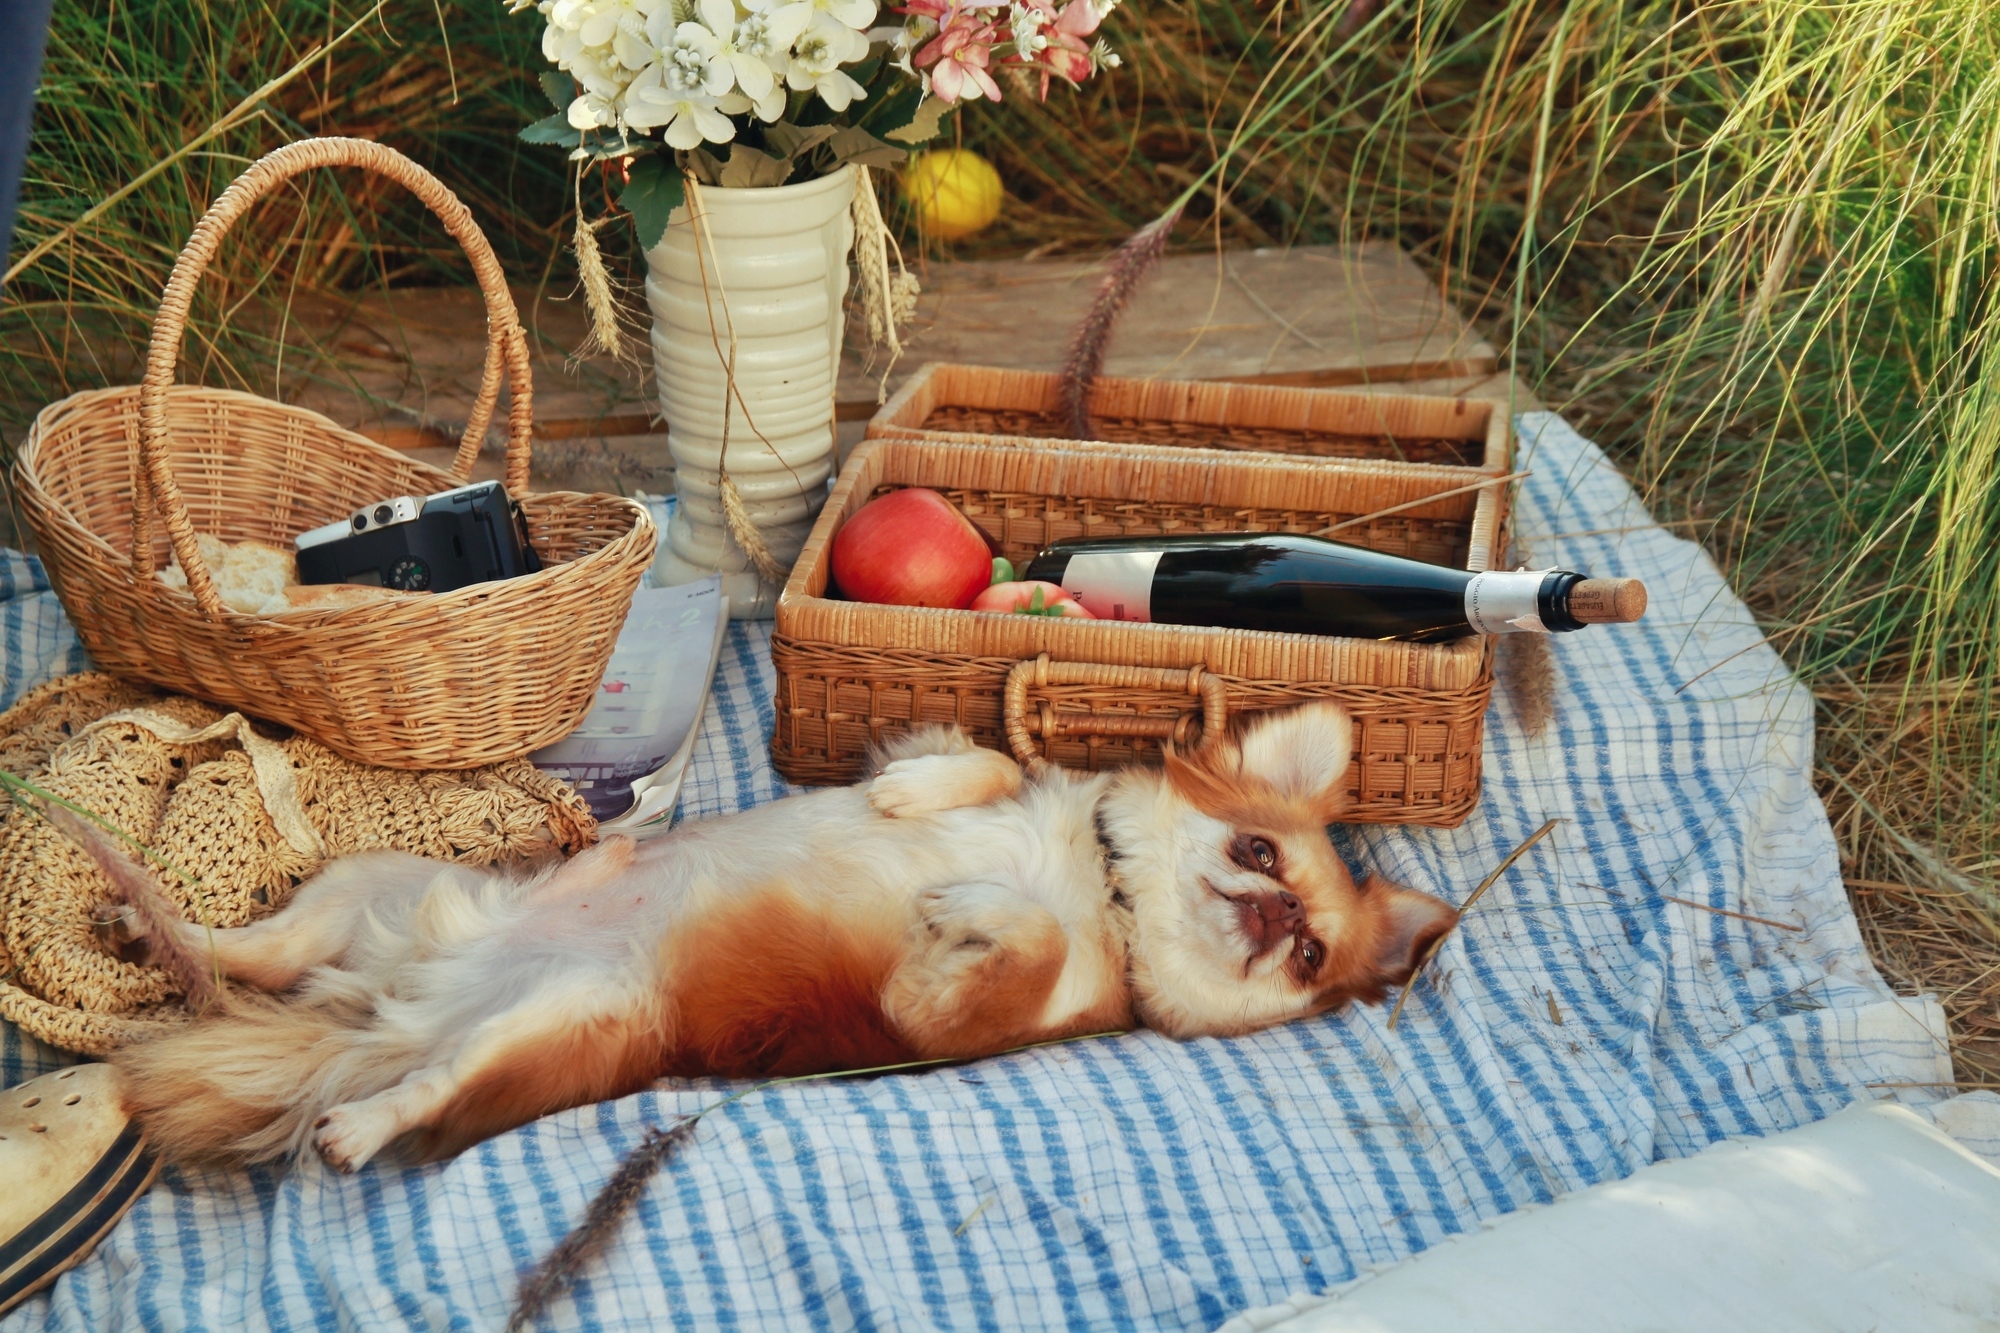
<point x="403" y="366"/>
<point x="1312" y="315"/>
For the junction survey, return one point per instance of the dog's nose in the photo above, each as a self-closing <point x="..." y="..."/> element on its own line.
<point x="1269" y="919"/>
<point x="1280" y="910"/>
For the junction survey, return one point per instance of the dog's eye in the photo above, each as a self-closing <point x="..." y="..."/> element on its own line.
<point x="1254" y="854"/>
<point x="1311" y="955"/>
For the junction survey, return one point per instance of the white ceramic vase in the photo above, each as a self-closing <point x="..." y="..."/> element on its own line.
<point x="768" y="266"/>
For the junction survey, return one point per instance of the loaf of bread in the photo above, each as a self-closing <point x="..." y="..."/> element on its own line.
<point x="260" y="580"/>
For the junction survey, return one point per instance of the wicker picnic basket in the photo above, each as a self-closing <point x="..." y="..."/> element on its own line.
<point x="1098" y="694"/>
<point x="951" y="402"/>
<point x="450" y="680"/>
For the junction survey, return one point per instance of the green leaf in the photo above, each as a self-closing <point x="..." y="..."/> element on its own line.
<point x="862" y="148"/>
<point x="555" y="130"/>
<point x="654" y="191"/>
<point x="750" y="169"/>
<point x="559" y="88"/>
<point x="925" y="123"/>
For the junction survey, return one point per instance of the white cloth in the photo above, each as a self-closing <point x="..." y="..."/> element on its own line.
<point x="1870" y="1221"/>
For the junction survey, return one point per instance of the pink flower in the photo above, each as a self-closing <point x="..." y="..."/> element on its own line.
<point x="1063" y="49"/>
<point x="957" y="57"/>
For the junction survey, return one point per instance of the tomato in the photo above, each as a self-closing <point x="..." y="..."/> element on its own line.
<point x="1032" y="598"/>
<point x="911" y="548"/>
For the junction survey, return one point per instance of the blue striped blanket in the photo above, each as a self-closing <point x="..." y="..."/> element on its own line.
<point x="1675" y="964"/>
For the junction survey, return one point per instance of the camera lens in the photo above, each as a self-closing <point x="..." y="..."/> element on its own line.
<point x="410" y="574"/>
<point x="383" y="513"/>
<point x="360" y="522"/>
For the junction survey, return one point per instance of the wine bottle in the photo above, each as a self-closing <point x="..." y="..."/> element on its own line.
<point x="1308" y="585"/>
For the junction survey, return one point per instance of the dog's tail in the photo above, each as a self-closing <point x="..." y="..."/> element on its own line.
<point x="245" y="1081"/>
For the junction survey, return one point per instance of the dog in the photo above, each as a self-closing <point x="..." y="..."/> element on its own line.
<point x="947" y="908"/>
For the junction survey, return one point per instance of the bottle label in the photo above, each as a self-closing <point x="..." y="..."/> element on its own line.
<point x="1505" y="602"/>
<point x="1113" y="585"/>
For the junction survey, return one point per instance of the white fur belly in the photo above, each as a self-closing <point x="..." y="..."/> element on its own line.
<point x="1085" y="980"/>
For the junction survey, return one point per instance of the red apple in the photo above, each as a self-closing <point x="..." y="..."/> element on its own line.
<point x="911" y="548"/>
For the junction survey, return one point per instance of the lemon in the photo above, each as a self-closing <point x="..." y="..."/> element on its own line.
<point x="956" y="192"/>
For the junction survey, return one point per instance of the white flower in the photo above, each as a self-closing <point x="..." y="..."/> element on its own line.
<point x="690" y="120"/>
<point x="686" y="61"/>
<point x="590" y="112"/>
<point x="616" y="28"/>
<point x="753" y="51"/>
<point x="1026" y="24"/>
<point x="1102" y="57"/>
<point x="900" y="45"/>
<point x="816" y="60"/>
<point x="768" y="107"/>
<point x="854" y="15"/>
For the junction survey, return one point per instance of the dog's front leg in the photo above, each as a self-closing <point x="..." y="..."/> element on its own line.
<point x="931" y="783"/>
<point x="978" y="972"/>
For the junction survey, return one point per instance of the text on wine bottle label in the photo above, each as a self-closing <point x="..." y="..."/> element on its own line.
<point x="1113" y="585"/>
<point x="1501" y="601"/>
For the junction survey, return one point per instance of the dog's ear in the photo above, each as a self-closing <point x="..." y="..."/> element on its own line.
<point x="1301" y="754"/>
<point x="1411" y="923"/>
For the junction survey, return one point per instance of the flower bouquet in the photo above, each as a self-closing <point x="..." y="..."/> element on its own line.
<point x="740" y="134"/>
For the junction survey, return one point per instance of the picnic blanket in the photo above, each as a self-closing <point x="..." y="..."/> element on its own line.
<point x="1675" y="964"/>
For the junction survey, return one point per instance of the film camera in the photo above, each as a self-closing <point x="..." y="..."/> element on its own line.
<point x="471" y="534"/>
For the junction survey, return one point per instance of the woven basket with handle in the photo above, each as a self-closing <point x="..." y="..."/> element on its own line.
<point x="1100" y="694"/>
<point x="115" y="481"/>
<point x="984" y="404"/>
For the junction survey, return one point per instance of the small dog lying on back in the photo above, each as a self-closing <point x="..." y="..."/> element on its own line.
<point x="946" y="908"/>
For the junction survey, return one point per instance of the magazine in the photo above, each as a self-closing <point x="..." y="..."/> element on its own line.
<point x="629" y="755"/>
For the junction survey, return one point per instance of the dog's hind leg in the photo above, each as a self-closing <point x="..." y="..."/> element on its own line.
<point x="544" y="1054"/>
<point x="320" y="923"/>
<point x="316" y="927"/>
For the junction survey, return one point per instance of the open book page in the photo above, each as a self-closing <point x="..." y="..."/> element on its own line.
<point x="627" y="758"/>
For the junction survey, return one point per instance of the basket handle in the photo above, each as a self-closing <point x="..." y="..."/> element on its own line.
<point x="1039" y="672"/>
<point x="506" y="347"/>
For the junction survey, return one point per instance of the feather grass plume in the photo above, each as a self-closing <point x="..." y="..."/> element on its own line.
<point x="1527" y="666"/>
<point x="1123" y="276"/>
<point x="555" y="1274"/>
<point x="199" y="978"/>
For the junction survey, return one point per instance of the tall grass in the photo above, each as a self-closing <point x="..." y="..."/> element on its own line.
<point x="185" y="92"/>
<point x="1749" y="245"/>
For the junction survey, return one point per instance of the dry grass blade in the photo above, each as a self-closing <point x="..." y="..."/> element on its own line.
<point x="1470" y="903"/>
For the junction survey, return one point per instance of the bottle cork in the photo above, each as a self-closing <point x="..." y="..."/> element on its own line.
<point x="1608" y="601"/>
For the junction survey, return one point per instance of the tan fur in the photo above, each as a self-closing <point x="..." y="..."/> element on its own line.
<point x="945" y="909"/>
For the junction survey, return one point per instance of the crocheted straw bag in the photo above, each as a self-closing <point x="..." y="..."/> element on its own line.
<point x="448" y="680"/>
<point x="245" y="816"/>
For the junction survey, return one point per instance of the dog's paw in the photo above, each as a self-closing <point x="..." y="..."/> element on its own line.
<point x="973" y="918"/>
<point x="345" y="1138"/>
<point x="928" y="784"/>
<point x="898" y="792"/>
<point x="122" y="931"/>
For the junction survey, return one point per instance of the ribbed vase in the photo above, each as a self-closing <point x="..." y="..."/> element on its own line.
<point x="763" y="275"/>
